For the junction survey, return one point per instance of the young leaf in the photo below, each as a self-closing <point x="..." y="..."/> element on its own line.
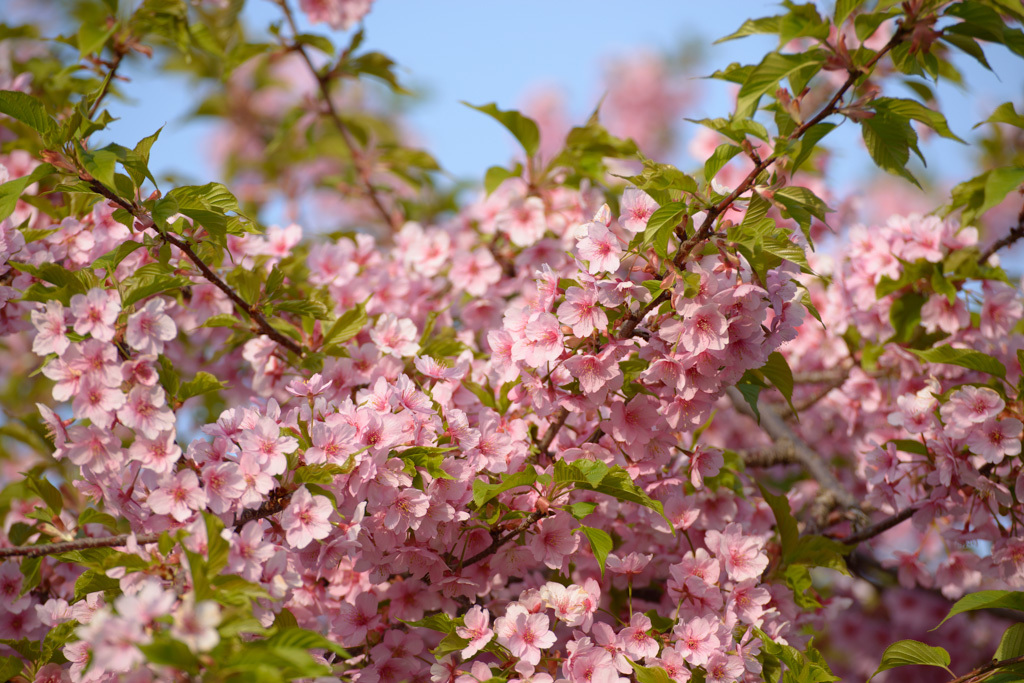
<point x="600" y="542"/>
<point x="986" y="600"/>
<point x="910" y="652"/>
<point x="522" y="127"/>
<point x="965" y="358"/>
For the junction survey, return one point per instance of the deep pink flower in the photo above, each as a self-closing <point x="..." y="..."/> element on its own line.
<point x="581" y="312"/>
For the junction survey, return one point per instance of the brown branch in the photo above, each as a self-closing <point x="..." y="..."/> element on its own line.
<point x="250" y="310"/>
<point x="783" y="436"/>
<point x="498" y="540"/>
<point x="274" y="504"/>
<point x="781" y="453"/>
<point x="363" y="170"/>
<point x="107" y="80"/>
<point x="706" y="229"/>
<point x="880" y="527"/>
<point x="549" y="436"/>
<point x="1016" y="233"/>
<point x="987" y="668"/>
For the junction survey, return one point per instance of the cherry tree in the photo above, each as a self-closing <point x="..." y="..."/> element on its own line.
<point x="602" y="420"/>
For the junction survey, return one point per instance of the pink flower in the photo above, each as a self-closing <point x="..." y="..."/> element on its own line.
<point x="354" y="621"/>
<point x="524" y="221"/>
<point x="179" y="498"/>
<point x="724" y="668"/>
<point x="939" y="314"/>
<point x="702" y="328"/>
<point x="969" y="406"/>
<point x="633" y="422"/>
<point x="593" y="372"/>
<point x="305" y="518"/>
<point x="995" y="439"/>
<point x="145" y="412"/>
<point x="395" y="336"/>
<point x="224" y="485"/>
<point x="705" y="462"/>
<point x="697" y="640"/>
<point x="52" y="334"/>
<point x="339" y="14"/>
<point x="476" y="631"/>
<point x="150" y="327"/>
<point x="196" y="624"/>
<point x="408" y="508"/>
<point x="743" y="556"/>
<point x="581" y="312"/>
<point x="554" y="540"/>
<point x="636" y="208"/>
<point x="524" y="634"/>
<point x="265" y="443"/>
<point x="636" y="639"/>
<point x="542" y="341"/>
<point x="1001" y="308"/>
<point x="97" y="402"/>
<point x="630" y="565"/>
<point x="96" y="312"/>
<point x="474" y="272"/>
<point x="600" y="248"/>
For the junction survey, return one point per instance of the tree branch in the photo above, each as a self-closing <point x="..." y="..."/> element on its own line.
<point x="274" y="504"/>
<point x="363" y="170"/>
<point x="986" y="668"/>
<point x="1016" y="233"/>
<point x="781" y="434"/>
<point x="880" y="527"/>
<point x="250" y="310"/>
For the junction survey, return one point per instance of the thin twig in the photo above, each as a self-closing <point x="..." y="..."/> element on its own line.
<point x="880" y="527"/>
<point x="549" y="436"/>
<point x="251" y="310"/>
<point x="986" y="668"/>
<point x="502" y="539"/>
<point x="1016" y="233"/>
<point x="270" y="507"/>
<point x="363" y="170"/>
<point x="107" y="80"/>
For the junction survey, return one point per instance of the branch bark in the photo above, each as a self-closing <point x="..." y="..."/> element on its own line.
<point x="1016" y="233"/>
<point x="250" y="310"/>
<point x="781" y="434"/>
<point x="271" y="506"/>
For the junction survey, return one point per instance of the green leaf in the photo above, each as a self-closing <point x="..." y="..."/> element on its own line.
<point x="94" y="516"/>
<point x="112" y="259"/>
<point x="750" y="394"/>
<point x="484" y="492"/>
<point x="348" y="325"/>
<point x="47" y="492"/>
<point x="1012" y="643"/>
<point x="965" y="358"/>
<point x="313" y="309"/>
<point x="13" y="189"/>
<point x="889" y="139"/>
<point x="202" y="383"/>
<point x="29" y="110"/>
<point x="917" y="111"/>
<point x="523" y="128"/>
<point x="92" y="36"/>
<point x="911" y="652"/>
<point x="784" y="519"/>
<point x="496" y="175"/>
<point x="765" y="77"/>
<point x="986" y="600"/>
<point x="9" y="668"/>
<point x="662" y="224"/>
<point x="30" y="572"/>
<point x="843" y="10"/>
<point x="138" y="288"/>
<point x="436" y="622"/>
<point x="92" y="581"/>
<point x="303" y="639"/>
<point x="1005" y="113"/>
<point x="805" y="146"/>
<point x="752" y="27"/>
<point x="779" y="374"/>
<point x="318" y="474"/>
<point x="719" y="158"/>
<point x="600" y="542"/>
<point x="649" y="674"/>
<point x="172" y="653"/>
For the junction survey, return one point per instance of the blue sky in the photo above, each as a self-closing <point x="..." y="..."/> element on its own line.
<point x="497" y="51"/>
